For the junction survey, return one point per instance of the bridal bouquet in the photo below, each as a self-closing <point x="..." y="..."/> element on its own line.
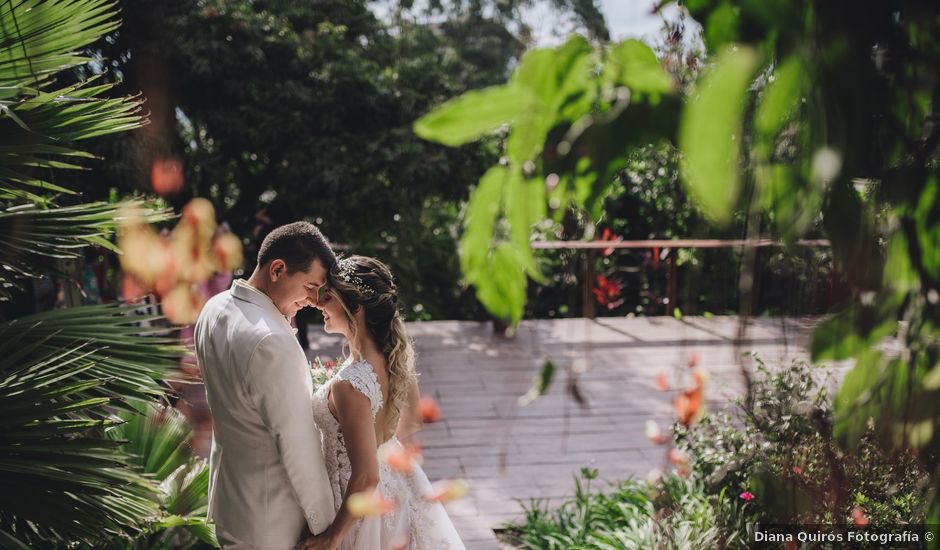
<point x="321" y="371"/>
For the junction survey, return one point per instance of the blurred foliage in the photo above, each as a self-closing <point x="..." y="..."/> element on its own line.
<point x="810" y="114"/>
<point x="282" y="110"/>
<point x="64" y="373"/>
<point x="839" y="125"/>
<point x="562" y="107"/>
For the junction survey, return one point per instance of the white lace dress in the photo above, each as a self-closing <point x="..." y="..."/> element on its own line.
<point x="416" y="523"/>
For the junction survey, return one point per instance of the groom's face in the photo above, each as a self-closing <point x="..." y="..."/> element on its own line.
<point x="291" y="292"/>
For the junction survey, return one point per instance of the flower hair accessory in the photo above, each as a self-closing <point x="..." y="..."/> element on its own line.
<point x="347" y="273"/>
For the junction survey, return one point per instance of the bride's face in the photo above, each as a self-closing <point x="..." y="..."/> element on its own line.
<point x="334" y="316"/>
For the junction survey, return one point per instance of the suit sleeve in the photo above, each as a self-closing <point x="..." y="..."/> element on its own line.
<point x="279" y="383"/>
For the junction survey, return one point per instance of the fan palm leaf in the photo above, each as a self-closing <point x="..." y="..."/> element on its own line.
<point x="126" y="355"/>
<point x="159" y="440"/>
<point x="34" y="240"/>
<point x="63" y="481"/>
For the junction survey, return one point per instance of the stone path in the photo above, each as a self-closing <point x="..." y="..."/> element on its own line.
<point x="511" y="453"/>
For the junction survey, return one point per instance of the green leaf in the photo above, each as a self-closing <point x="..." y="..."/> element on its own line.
<point x="781" y="96"/>
<point x="899" y="273"/>
<point x="541" y="384"/>
<point x="552" y="77"/>
<point x="854" y="330"/>
<point x="722" y="26"/>
<point x="503" y="290"/>
<point x="634" y="64"/>
<point x="472" y="115"/>
<point x="710" y="133"/>
<point x="524" y="201"/>
<point x="481" y="218"/>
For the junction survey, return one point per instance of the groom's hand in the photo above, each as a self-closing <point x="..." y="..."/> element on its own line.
<point x="318" y="542"/>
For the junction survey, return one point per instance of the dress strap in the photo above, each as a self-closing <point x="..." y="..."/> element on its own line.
<point x="362" y="377"/>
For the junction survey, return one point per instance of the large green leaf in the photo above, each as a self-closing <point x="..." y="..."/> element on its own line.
<point x="554" y="77"/>
<point x="710" y="134"/>
<point x="480" y="221"/>
<point x="503" y="290"/>
<point x="473" y="115"/>
<point x="634" y="64"/>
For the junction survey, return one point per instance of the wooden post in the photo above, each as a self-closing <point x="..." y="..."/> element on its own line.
<point x="587" y="284"/>
<point x="672" y="283"/>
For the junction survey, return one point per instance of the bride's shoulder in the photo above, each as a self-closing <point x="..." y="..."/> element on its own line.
<point x="361" y="376"/>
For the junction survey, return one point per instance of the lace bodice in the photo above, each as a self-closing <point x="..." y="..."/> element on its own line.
<point x="426" y="524"/>
<point x="364" y="379"/>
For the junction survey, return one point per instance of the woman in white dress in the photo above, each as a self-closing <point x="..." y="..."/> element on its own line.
<point x="365" y="411"/>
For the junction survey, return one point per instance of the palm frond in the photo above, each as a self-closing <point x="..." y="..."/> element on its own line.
<point x="125" y="354"/>
<point x="33" y="240"/>
<point x="158" y="438"/>
<point x="39" y="38"/>
<point x="63" y="481"/>
<point x="39" y="120"/>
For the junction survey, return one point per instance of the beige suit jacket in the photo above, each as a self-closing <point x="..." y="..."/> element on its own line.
<point x="267" y="476"/>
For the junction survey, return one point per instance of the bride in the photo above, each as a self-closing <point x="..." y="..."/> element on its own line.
<point x="363" y="413"/>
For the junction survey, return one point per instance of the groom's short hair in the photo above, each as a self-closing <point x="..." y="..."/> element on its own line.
<point x="298" y="244"/>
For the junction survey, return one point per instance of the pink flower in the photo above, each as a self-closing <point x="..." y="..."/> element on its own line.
<point x="747" y="496"/>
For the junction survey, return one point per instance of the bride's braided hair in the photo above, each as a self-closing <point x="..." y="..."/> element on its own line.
<point x="367" y="282"/>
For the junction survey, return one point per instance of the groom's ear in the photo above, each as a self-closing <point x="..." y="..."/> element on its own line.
<point x="276" y="269"/>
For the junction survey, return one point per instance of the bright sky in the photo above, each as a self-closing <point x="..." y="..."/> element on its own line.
<point x="625" y="19"/>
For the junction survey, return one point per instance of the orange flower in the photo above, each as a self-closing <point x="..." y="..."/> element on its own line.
<point x="369" y="504"/>
<point x="131" y="289"/>
<point x="166" y="177"/>
<point x="688" y="404"/>
<point x="662" y="383"/>
<point x="182" y="305"/>
<point x="401" y="458"/>
<point x="447" y="490"/>
<point x="430" y="410"/>
<point x="227" y="250"/>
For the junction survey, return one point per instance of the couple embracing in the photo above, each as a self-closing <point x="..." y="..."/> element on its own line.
<point x="285" y="459"/>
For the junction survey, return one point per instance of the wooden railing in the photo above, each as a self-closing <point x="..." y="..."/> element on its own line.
<point x="590" y="249"/>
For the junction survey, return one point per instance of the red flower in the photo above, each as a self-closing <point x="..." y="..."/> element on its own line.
<point x="662" y="383"/>
<point x="166" y="177"/>
<point x="607" y="235"/>
<point x="747" y="496"/>
<point x="608" y="291"/>
<point x="797" y="470"/>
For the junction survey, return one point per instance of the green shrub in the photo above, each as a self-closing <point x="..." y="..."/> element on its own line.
<point x="780" y="447"/>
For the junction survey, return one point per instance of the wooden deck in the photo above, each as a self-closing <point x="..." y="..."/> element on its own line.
<point x="510" y="453"/>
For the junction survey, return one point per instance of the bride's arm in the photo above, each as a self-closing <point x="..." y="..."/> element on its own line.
<point x="409" y="418"/>
<point x="354" y="412"/>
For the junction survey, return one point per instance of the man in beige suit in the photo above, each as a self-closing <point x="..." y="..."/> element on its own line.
<point x="268" y="482"/>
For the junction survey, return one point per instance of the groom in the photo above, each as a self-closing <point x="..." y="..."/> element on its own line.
<point x="268" y="482"/>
